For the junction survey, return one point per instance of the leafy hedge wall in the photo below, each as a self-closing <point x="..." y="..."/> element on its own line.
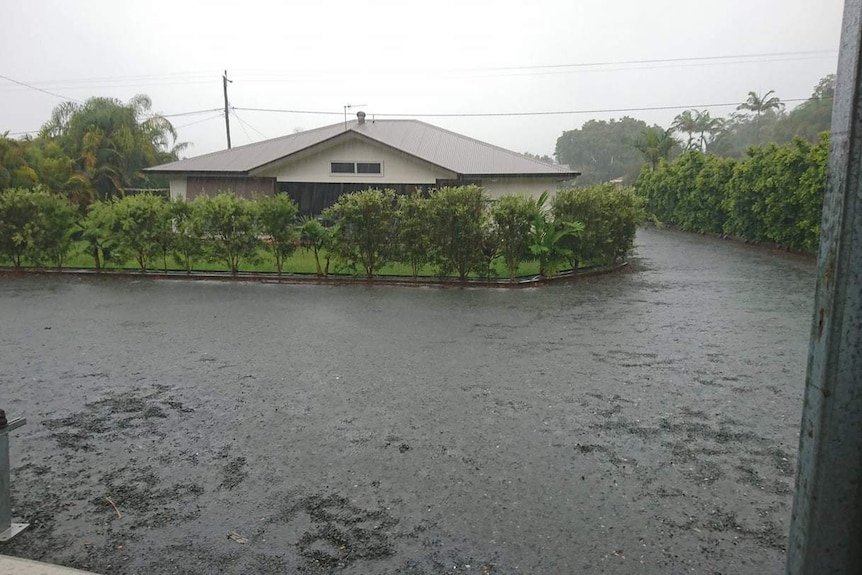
<point x="775" y="194"/>
<point x="457" y="231"/>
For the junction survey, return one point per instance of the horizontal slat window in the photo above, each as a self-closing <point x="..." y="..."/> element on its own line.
<point x="367" y="167"/>
<point x="343" y="167"/>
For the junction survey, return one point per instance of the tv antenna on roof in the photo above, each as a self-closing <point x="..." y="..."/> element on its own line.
<point x="347" y="107"/>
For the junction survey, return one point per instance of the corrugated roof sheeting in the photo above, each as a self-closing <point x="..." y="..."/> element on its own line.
<point x="441" y="147"/>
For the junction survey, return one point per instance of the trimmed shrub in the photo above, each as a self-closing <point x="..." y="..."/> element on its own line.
<point x="364" y="232"/>
<point x="277" y="215"/>
<point x="35" y="225"/>
<point x="231" y="230"/>
<point x="514" y="217"/>
<point x="457" y="218"/>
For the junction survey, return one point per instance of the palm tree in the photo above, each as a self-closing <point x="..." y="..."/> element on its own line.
<point x="655" y="144"/>
<point x="687" y="123"/>
<point x="760" y="105"/>
<point x="111" y="143"/>
<point x="706" y="124"/>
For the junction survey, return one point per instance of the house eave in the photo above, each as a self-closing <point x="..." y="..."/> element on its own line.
<point x="191" y="173"/>
<point x="554" y="175"/>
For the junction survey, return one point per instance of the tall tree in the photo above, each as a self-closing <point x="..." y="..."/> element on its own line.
<point x="811" y="117"/>
<point x="110" y="143"/>
<point x="687" y="123"/>
<point x="655" y="144"/>
<point x="601" y="150"/>
<point x="707" y="127"/>
<point x="760" y="105"/>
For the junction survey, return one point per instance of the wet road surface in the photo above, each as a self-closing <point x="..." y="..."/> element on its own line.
<point x="644" y="421"/>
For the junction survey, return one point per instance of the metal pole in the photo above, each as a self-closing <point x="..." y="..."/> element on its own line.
<point x="8" y="530"/>
<point x="226" y="115"/>
<point x="826" y="529"/>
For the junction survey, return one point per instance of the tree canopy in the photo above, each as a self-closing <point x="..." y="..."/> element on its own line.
<point x="602" y="150"/>
<point x="607" y="150"/>
<point x="92" y="151"/>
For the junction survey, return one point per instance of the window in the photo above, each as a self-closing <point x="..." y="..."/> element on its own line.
<point x="343" y="167"/>
<point x="368" y="168"/>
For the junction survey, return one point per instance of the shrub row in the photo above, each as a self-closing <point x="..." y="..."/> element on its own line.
<point x="456" y="230"/>
<point x="773" y="195"/>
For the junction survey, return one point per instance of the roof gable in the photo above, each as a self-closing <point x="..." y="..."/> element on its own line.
<point x="448" y="150"/>
<point x="310" y="164"/>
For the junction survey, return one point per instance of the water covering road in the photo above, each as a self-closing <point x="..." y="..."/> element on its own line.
<point x="643" y="421"/>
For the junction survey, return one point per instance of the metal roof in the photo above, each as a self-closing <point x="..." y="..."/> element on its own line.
<point x="449" y="150"/>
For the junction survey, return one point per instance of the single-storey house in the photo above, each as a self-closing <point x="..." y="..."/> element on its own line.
<point x="316" y="166"/>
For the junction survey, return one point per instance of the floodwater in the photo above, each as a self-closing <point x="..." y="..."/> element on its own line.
<point x="639" y="422"/>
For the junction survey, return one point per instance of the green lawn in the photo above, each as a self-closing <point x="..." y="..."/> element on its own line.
<point x="301" y="262"/>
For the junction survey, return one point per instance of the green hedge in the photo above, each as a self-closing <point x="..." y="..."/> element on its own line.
<point x="451" y="231"/>
<point x="775" y="194"/>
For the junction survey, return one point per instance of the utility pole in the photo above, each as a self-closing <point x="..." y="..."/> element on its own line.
<point x="226" y="116"/>
<point x="826" y="527"/>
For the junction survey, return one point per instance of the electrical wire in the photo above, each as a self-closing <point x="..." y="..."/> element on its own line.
<point x="25" y="132"/>
<point x="257" y="76"/>
<point x="198" y="122"/>
<point x="662" y="60"/>
<point x="262" y="135"/>
<point x="179" y="114"/>
<point x="319" y="112"/>
<point x="242" y="125"/>
<point x="26" y="85"/>
<point x="234" y="109"/>
<point x="510" y="114"/>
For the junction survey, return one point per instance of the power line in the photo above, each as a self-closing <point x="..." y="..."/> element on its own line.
<point x="322" y="113"/>
<point x="660" y="60"/>
<point x="177" y="115"/>
<point x="241" y="121"/>
<point x="556" y="69"/>
<point x="201" y="77"/>
<point x="443" y="115"/>
<point x="219" y="115"/>
<point x="199" y="121"/>
<point x="26" y="85"/>
<point x="242" y="125"/>
<point x="132" y="78"/>
<point x="180" y="114"/>
<point x="560" y="72"/>
<point x="510" y="114"/>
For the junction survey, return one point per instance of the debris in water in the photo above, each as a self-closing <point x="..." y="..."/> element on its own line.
<point x="234" y="536"/>
<point x="114" y="505"/>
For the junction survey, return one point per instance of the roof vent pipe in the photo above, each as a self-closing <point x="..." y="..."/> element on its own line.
<point x="360" y="115"/>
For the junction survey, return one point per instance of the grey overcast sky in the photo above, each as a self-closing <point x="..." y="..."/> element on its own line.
<point x="409" y="57"/>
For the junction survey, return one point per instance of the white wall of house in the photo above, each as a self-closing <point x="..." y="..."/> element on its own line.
<point x="533" y="187"/>
<point x="178" y="188"/>
<point x="397" y="167"/>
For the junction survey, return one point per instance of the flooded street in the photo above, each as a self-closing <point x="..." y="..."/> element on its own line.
<point x="643" y="421"/>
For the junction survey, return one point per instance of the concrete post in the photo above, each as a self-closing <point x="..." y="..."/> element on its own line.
<point x="826" y="530"/>
<point x="7" y="529"/>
